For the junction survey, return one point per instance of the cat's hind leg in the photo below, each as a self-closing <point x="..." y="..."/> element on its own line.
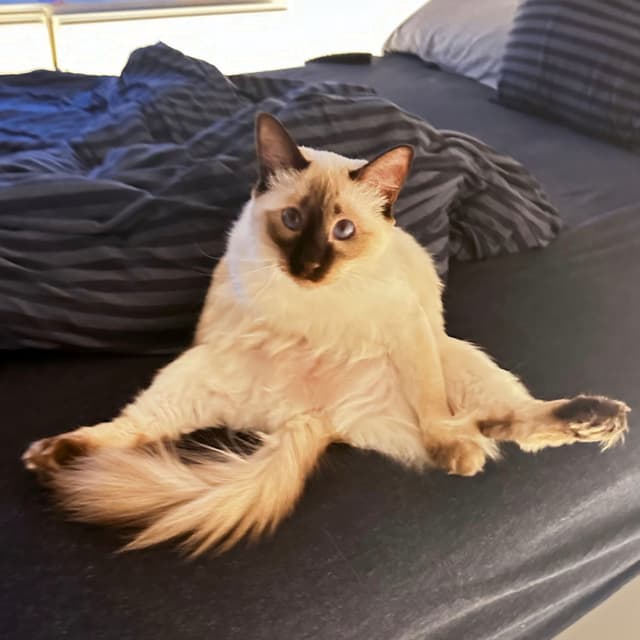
<point x="503" y="410"/>
<point x="184" y="396"/>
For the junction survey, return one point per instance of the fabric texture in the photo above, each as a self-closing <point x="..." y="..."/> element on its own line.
<point x="374" y="551"/>
<point x="115" y="193"/>
<point x="579" y="63"/>
<point x="467" y="37"/>
<point x="585" y="177"/>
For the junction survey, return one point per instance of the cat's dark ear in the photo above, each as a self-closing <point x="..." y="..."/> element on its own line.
<point x="276" y="149"/>
<point x="387" y="173"/>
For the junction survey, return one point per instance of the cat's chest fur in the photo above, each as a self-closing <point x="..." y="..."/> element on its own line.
<point x="326" y="351"/>
<point x="272" y="376"/>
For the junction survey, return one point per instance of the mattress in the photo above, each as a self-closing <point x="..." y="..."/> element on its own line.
<point x="375" y="551"/>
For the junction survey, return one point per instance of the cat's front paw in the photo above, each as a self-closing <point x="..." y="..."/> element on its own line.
<point x="49" y="454"/>
<point x="594" y="419"/>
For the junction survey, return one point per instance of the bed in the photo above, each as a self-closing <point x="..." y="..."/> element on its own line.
<point x="375" y="551"/>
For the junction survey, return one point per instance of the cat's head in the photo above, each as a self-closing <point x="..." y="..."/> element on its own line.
<point x="319" y="212"/>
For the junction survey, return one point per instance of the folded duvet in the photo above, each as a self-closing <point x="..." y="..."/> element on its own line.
<point x="116" y="192"/>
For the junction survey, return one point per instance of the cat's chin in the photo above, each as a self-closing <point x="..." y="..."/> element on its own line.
<point x="307" y="283"/>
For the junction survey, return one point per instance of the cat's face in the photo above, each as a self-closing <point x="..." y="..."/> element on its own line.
<point x="320" y="212"/>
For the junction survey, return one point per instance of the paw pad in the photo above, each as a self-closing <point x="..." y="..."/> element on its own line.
<point x="594" y="419"/>
<point x="50" y="454"/>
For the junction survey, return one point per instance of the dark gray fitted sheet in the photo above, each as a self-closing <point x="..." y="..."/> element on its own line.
<point x="375" y="552"/>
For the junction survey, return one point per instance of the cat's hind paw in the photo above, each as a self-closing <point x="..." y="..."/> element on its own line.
<point x="49" y="454"/>
<point x="594" y="419"/>
<point x="458" y="457"/>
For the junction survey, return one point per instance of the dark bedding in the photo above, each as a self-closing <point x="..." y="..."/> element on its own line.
<point x="376" y="552"/>
<point x="116" y="193"/>
<point x="583" y="176"/>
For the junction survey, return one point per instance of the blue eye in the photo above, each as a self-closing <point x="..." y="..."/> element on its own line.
<point x="292" y="219"/>
<point x="343" y="229"/>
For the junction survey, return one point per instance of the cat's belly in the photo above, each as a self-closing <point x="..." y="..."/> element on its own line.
<point x="270" y="387"/>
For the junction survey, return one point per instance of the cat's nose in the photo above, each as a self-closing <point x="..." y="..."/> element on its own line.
<point x="312" y="270"/>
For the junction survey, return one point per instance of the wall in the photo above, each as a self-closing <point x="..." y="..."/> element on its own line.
<point x="234" y="42"/>
<point x="24" y="47"/>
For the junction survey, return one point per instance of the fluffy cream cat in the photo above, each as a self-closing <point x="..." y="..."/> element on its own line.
<point x="323" y="323"/>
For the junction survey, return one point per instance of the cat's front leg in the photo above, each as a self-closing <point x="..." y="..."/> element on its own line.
<point x="184" y="396"/>
<point x="453" y="444"/>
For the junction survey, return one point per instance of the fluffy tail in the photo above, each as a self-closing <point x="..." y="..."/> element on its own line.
<point x="215" y="500"/>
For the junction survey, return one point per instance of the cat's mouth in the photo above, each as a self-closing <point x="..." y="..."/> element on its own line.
<point x="307" y="274"/>
<point x="312" y="272"/>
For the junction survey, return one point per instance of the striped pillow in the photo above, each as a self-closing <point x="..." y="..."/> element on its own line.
<point x="577" y="61"/>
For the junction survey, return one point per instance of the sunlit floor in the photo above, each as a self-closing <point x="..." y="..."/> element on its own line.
<point x="616" y="619"/>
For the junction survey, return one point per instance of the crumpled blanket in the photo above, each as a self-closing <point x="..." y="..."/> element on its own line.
<point x="116" y="192"/>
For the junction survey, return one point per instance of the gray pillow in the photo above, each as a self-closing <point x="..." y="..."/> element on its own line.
<point x="577" y="62"/>
<point x="461" y="36"/>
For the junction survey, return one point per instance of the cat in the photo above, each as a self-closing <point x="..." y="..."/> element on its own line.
<point x="323" y="323"/>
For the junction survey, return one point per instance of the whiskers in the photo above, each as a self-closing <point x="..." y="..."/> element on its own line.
<point x="208" y="255"/>
<point x="355" y="281"/>
<point x="252" y="277"/>
<point x="265" y="288"/>
<point x="196" y="268"/>
<point x="261" y="268"/>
